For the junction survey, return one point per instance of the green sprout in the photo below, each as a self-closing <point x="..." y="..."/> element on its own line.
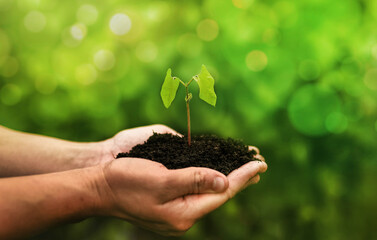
<point x="206" y="92"/>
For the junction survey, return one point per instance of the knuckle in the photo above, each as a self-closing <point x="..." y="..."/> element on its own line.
<point x="260" y="158"/>
<point x="230" y="193"/>
<point x="199" y="181"/>
<point x="160" y="165"/>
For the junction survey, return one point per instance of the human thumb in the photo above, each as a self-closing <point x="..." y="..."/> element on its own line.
<point x="195" y="180"/>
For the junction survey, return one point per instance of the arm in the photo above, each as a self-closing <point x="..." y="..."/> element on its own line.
<point x="31" y="203"/>
<point x="26" y="154"/>
<point x="137" y="190"/>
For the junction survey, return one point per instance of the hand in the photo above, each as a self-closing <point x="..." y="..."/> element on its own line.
<point x="256" y="178"/>
<point x="125" y="140"/>
<point x="166" y="201"/>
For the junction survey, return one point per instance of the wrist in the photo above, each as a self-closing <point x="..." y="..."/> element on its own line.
<point x="103" y="198"/>
<point x="91" y="154"/>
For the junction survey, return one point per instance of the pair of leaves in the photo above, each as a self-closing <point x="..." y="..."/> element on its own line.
<point x="206" y="87"/>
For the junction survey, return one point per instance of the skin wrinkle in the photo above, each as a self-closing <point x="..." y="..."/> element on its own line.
<point x="168" y="183"/>
<point x="199" y="181"/>
<point x="103" y="192"/>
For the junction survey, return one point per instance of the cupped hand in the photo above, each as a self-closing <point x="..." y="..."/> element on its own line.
<point x="125" y="140"/>
<point x="166" y="201"/>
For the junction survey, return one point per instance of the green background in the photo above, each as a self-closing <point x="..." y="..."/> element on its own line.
<point x="298" y="79"/>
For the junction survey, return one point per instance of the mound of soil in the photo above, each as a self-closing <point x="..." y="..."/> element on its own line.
<point x="223" y="155"/>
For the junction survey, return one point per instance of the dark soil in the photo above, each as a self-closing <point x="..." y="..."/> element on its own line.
<point x="223" y="155"/>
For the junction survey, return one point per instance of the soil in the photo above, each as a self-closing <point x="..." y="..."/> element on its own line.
<point x="223" y="155"/>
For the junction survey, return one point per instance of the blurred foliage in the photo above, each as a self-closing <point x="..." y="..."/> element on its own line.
<point x="298" y="79"/>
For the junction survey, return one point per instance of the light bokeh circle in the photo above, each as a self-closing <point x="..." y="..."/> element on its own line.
<point x="207" y="30"/>
<point x="104" y="60"/>
<point x="120" y="24"/>
<point x="86" y="74"/>
<point x="243" y="4"/>
<point x="146" y="51"/>
<point x="78" y="31"/>
<point x="87" y="14"/>
<point x="35" y="21"/>
<point x="256" y="60"/>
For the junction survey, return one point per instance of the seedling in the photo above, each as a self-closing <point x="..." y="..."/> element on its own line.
<point x="206" y="92"/>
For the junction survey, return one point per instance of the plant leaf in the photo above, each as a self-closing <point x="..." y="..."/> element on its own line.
<point x="206" y="86"/>
<point x="169" y="89"/>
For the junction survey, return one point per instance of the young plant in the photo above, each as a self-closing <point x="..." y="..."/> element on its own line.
<point x="206" y="92"/>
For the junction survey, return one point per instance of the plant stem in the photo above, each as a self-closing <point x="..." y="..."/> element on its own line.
<point x="188" y="109"/>
<point x="188" y="117"/>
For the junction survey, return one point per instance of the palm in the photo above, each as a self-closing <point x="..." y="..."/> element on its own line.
<point x="125" y="140"/>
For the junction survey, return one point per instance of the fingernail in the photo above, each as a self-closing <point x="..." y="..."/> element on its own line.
<point x="218" y="184"/>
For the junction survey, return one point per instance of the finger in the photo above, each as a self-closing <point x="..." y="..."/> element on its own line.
<point x="252" y="181"/>
<point x="260" y="158"/>
<point x="241" y="176"/>
<point x="159" y="128"/>
<point x="195" y="180"/>
<point x="255" y="149"/>
<point x="238" y="179"/>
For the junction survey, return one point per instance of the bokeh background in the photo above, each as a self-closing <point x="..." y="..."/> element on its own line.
<point x="298" y="79"/>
